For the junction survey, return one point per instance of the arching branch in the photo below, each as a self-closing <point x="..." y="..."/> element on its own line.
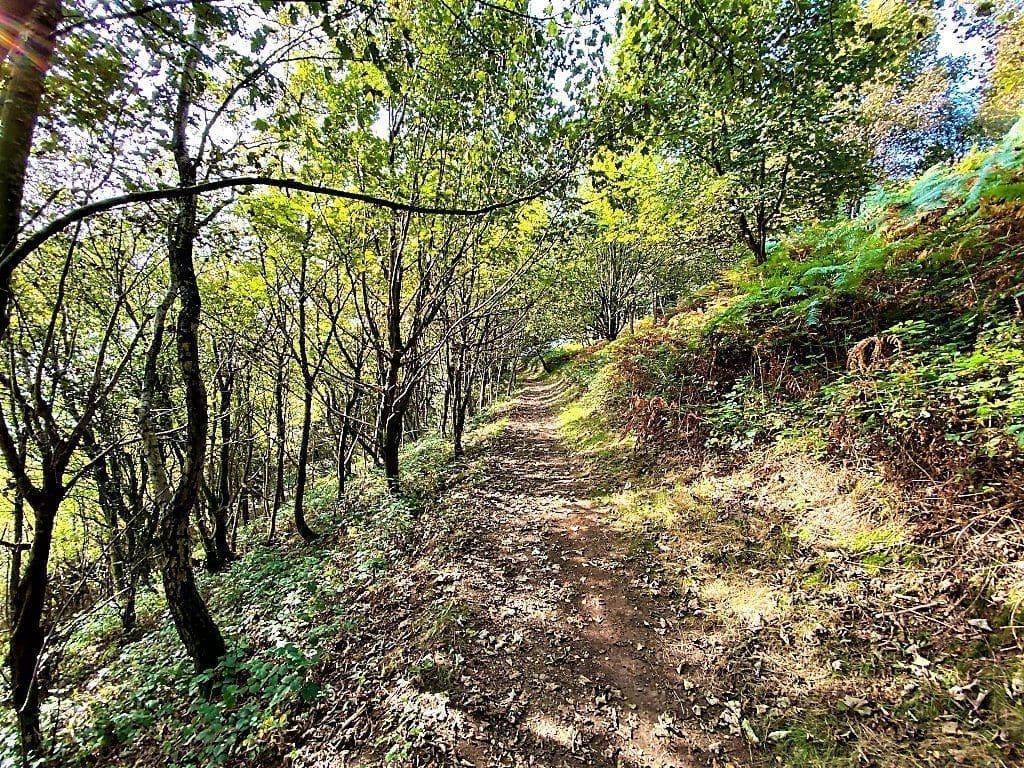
<point x="35" y="240"/>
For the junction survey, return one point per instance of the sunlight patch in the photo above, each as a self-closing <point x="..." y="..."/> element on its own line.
<point x="546" y="728"/>
<point x="751" y="602"/>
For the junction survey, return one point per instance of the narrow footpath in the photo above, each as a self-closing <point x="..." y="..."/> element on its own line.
<point x="580" y="656"/>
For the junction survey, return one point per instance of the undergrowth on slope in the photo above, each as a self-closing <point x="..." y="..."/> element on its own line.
<point x="901" y="330"/>
<point x="311" y="628"/>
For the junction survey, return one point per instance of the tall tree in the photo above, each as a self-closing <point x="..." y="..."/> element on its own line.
<point x="759" y="92"/>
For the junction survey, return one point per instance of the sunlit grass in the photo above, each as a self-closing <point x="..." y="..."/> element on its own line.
<point x="659" y="507"/>
<point x="739" y="597"/>
<point x="582" y="429"/>
<point x="487" y="431"/>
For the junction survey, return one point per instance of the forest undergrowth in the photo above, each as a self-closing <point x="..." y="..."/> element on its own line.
<point x="326" y="640"/>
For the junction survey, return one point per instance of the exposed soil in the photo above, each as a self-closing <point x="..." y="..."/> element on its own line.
<point x="545" y="615"/>
<point x="578" y="654"/>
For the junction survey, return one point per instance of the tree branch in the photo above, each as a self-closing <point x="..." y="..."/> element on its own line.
<point x="34" y="241"/>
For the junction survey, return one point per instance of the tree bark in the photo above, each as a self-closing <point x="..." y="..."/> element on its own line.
<point x="22" y="99"/>
<point x="196" y="628"/>
<point x="391" y="444"/>
<point x="301" y="470"/>
<point x="308" y="385"/>
<point x="18" y="512"/>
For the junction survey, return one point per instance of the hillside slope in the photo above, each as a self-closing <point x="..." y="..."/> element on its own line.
<point x="778" y="527"/>
<point x="827" y="456"/>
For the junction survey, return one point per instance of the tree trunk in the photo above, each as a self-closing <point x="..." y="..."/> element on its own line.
<point x="196" y="628"/>
<point x="245" y="471"/>
<point x="27" y="635"/>
<point x="26" y="75"/>
<point x="279" y="435"/>
<point x="459" y="430"/>
<point x="446" y="400"/>
<point x="458" y="411"/>
<point x="390" y="446"/>
<point x="18" y="513"/>
<point x="347" y="441"/>
<point x="756" y="238"/>
<point x="391" y="416"/>
<point x="301" y="525"/>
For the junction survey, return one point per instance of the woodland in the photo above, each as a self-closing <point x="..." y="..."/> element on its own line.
<point x="512" y="383"/>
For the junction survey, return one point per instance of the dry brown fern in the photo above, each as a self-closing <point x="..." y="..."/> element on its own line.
<point x="873" y="353"/>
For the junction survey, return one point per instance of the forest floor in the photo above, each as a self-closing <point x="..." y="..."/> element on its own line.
<point x="576" y="605"/>
<point x="576" y="654"/>
<point x="557" y="598"/>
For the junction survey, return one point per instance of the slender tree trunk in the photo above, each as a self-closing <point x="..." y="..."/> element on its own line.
<point x="308" y="384"/>
<point x="139" y="532"/>
<point x="27" y="633"/>
<point x="345" y="442"/>
<point x="196" y="628"/>
<point x="349" y="435"/>
<point x="18" y="512"/>
<point x="544" y="363"/>
<point x="446" y="401"/>
<point x="482" y="399"/>
<point x="756" y="238"/>
<point x="459" y="385"/>
<point x="192" y="620"/>
<point x="339" y="457"/>
<point x="391" y="445"/>
<point x="390" y="420"/>
<point x="459" y="430"/>
<point x="245" y="492"/>
<point x="301" y="525"/>
<point x="279" y="435"/>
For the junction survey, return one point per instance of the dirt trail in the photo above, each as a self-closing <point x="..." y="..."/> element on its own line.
<point x="579" y="657"/>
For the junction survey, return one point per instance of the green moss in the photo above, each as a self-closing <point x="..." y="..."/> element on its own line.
<point x="874" y="562"/>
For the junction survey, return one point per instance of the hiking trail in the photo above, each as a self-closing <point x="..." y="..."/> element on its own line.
<point x="580" y="656"/>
